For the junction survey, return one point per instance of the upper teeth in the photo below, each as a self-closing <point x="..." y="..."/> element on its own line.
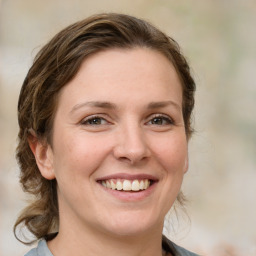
<point x="126" y="185"/>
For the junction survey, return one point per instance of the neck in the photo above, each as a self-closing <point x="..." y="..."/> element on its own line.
<point x="88" y="241"/>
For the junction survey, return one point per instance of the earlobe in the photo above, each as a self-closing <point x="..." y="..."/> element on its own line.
<point x="186" y="165"/>
<point x="43" y="154"/>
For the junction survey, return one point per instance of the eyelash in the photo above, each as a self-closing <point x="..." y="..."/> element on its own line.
<point x="166" y="119"/>
<point x="163" y="118"/>
<point x="88" y="119"/>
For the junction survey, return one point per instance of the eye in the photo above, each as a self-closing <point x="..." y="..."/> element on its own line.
<point x="94" y="121"/>
<point x="160" y="120"/>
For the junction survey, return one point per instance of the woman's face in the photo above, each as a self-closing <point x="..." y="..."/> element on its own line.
<point x="119" y="148"/>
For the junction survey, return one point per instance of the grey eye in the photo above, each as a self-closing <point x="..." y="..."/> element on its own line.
<point x="94" y="121"/>
<point x="161" y="120"/>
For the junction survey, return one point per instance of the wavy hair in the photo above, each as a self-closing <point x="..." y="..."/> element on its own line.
<point x="54" y="66"/>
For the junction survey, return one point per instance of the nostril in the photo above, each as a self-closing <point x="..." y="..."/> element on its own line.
<point x="124" y="159"/>
<point x="133" y="160"/>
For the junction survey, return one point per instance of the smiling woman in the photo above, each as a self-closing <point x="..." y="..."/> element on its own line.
<point x="104" y="116"/>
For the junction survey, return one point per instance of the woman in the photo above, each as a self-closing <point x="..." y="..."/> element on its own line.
<point x="104" y="116"/>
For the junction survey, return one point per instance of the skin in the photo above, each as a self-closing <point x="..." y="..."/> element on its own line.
<point x="139" y="131"/>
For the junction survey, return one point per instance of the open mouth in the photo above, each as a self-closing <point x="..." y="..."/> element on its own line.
<point x="127" y="185"/>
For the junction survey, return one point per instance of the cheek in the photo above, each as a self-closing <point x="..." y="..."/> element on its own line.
<point x="78" y="154"/>
<point x="172" y="154"/>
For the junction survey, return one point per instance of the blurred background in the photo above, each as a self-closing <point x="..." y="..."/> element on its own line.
<point x="219" y="39"/>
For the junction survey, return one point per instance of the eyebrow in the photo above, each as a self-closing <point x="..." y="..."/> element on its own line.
<point x="97" y="104"/>
<point x="162" y="104"/>
<point x="109" y="105"/>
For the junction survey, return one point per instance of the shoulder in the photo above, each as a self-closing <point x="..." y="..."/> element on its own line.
<point x="41" y="250"/>
<point x="176" y="250"/>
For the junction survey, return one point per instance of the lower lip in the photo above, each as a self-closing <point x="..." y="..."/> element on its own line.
<point x="130" y="196"/>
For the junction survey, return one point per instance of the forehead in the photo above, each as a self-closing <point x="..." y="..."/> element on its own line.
<point x="116" y="73"/>
<point x="118" y="60"/>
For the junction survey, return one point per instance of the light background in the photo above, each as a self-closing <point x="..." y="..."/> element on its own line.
<point x="219" y="39"/>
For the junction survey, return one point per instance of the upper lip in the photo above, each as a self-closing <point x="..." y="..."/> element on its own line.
<point x="127" y="176"/>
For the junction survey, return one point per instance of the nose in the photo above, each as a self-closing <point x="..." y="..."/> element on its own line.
<point x="131" y="145"/>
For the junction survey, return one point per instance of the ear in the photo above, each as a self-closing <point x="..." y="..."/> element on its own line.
<point x="186" y="165"/>
<point x="43" y="154"/>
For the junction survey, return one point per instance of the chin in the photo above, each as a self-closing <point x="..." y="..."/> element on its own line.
<point x="133" y="224"/>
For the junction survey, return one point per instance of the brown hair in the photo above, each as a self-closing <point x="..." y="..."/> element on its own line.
<point x="54" y="66"/>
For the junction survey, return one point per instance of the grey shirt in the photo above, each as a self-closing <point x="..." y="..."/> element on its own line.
<point x="43" y="250"/>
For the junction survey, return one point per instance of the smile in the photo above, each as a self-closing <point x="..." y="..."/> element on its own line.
<point x="129" y="187"/>
<point x="126" y="185"/>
